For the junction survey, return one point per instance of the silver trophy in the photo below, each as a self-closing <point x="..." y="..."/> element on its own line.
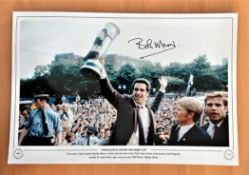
<point x="91" y="67"/>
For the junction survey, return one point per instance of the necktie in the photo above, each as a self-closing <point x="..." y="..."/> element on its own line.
<point x="138" y="124"/>
<point x="44" y="124"/>
<point x="216" y="128"/>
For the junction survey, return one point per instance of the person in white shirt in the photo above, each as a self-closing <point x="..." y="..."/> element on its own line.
<point x="134" y="124"/>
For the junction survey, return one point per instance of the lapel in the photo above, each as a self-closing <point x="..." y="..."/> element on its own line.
<point x="175" y="132"/>
<point x="220" y="131"/>
<point x="151" y="113"/>
<point x="134" y="113"/>
<point x="188" y="134"/>
<point x="173" y="135"/>
<point x="151" y="128"/>
<point x="205" y="127"/>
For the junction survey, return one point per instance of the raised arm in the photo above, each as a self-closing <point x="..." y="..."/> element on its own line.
<point x="163" y="84"/>
<point x="106" y="88"/>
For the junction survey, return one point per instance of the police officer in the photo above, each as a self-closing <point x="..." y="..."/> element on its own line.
<point x="43" y="126"/>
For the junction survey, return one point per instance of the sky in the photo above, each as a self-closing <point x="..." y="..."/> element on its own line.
<point x="41" y="38"/>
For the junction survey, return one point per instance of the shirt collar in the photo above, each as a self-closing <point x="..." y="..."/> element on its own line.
<point x="217" y="125"/>
<point x="183" y="130"/>
<point x="140" y="106"/>
<point x="186" y="127"/>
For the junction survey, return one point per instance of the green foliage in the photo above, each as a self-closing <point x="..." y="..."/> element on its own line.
<point x="199" y="65"/>
<point x="63" y="77"/>
<point x="126" y="75"/>
<point x="208" y="81"/>
<point x="112" y="74"/>
<point x="222" y="72"/>
<point x="41" y="71"/>
<point x="207" y="77"/>
<point x="176" y="84"/>
<point x="179" y="70"/>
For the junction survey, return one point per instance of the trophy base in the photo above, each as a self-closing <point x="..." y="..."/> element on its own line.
<point x="91" y="69"/>
<point x="89" y="74"/>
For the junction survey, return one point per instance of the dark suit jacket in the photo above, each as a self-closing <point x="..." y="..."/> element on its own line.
<point x="196" y="136"/>
<point x="221" y="136"/>
<point x="126" y="114"/>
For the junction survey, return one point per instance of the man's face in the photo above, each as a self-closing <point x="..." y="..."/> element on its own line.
<point x="25" y="113"/>
<point x="140" y="93"/>
<point x="182" y="116"/>
<point x="215" y="109"/>
<point x="102" y="133"/>
<point x="40" y="103"/>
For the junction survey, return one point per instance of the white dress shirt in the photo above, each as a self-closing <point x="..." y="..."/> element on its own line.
<point x="211" y="128"/>
<point x="145" y="119"/>
<point x="183" y="130"/>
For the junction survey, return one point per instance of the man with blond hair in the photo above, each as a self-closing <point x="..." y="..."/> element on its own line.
<point x="186" y="131"/>
<point x="216" y="108"/>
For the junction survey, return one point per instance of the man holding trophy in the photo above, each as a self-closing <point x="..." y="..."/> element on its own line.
<point x="134" y="124"/>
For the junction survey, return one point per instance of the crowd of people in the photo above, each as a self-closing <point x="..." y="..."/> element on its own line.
<point x="91" y="122"/>
<point x="94" y="119"/>
<point x="127" y="119"/>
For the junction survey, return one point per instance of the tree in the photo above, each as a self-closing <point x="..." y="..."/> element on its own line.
<point x="222" y="72"/>
<point x="27" y="86"/>
<point x="126" y="75"/>
<point x="57" y="78"/>
<point x="178" y="70"/>
<point x="41" y="70"/>
<point x="145" y="71"/>
<point x="112" y="74"/>
<point x="199" y="65"/>
<point x="208" y="78"/>
<point x="63" y="76"/>
<point x="207" y="81"/>
<point x="175" y="84"/>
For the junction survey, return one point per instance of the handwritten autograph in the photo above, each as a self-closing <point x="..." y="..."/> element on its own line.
<point x="150" y="44"/>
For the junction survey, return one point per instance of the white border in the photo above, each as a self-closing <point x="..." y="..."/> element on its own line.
<point x="165" y="154"/>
